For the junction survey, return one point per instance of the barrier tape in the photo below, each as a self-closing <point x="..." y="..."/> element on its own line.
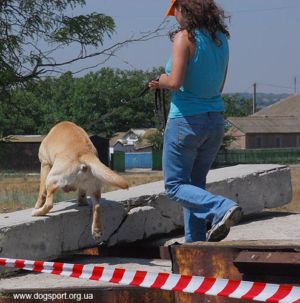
<point x="256" y="291"/>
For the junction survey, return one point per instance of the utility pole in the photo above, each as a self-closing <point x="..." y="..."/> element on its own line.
<point x="254" y="98"/>
<point x="295" y="85"/>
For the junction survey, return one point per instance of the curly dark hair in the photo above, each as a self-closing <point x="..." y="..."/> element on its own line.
<point x="203" y="14"/>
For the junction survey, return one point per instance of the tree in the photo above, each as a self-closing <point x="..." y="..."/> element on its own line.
<point x="31" y="33"/>
<point x="29" y="27"/>
<point x="155" y="138"/>
<point x="25" y="24"/>
<point x="236" y="106"/>
<point x="102" y="102"/>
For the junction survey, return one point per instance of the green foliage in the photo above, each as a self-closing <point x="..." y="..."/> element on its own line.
<point x="31" y="31"/>
<point x="227" y="140"/>
<point x="237" y="106"/>
<point x="89" y="29"/>
<point x="102" y="103"/>
<point x="27" y="25"/>
<point x="156" y="140"/>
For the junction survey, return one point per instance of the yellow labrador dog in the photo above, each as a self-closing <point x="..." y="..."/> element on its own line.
<point x="69" y="161"/>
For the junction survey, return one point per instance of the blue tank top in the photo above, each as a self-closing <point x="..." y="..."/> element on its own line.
<point x="200" y="90"/>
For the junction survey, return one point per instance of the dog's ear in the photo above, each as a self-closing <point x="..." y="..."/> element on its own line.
<point x="83" y="168"/>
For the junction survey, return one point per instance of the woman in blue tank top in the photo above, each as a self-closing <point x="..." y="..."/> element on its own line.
<point x="195" y="74"/>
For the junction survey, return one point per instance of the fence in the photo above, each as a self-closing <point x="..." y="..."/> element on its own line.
<point x="138" y="160"/>
<point x="258" y="156"/>
<point x="121" y="161"/>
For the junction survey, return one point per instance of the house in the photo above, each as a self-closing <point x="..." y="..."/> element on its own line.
<point x="20" y="152"/>
<point x="275" y="126"/>
<point x="131" y="141"/>
<point x="116" y="139"/>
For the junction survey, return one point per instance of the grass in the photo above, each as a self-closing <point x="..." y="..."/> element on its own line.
<point x="20" y="191"/>
<point x="294" y="205"/>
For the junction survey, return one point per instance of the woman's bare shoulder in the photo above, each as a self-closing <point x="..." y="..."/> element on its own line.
<point x="183" y="34"/>
<point x="182" y="37"/>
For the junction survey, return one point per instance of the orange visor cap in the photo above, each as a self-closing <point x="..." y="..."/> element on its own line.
<point x="171" y="9"/>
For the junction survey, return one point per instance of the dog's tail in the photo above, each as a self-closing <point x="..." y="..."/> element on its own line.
<point x="102" y="172"/>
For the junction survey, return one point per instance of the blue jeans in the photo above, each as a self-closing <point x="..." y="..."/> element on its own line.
<point x="190" y="147"/>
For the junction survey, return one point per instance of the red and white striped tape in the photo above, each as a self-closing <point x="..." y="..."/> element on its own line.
<point x="256" y="291"/>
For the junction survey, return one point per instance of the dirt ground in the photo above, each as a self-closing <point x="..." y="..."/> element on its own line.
<point x="294" y="205"/>
<point x="20" y="191"/>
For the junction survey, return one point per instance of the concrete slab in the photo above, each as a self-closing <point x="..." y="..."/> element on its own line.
<point x="268" y="226"/>
<point x="66" y="228"/>
<point x="139" y="213"/>
<point x="254" y="187"/>
<point x="272" y="229"/>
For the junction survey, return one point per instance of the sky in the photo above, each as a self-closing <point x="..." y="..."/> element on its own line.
<point x="264" y="44"/>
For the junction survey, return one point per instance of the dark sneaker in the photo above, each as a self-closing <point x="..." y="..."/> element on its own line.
<point x="220" y="230"/>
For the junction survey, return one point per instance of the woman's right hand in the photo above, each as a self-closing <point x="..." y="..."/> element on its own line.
<point x="154" y="84"/>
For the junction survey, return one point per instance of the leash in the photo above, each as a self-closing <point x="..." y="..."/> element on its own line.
<point x="159" y="103"/>
<point x="160" y="107"/>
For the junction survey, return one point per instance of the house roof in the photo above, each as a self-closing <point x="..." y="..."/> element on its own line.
<point x="119" y="137"/>
<point x="138" y="131"/>
<point x="143" y="143"/>
<point x="116" y="137"/>
<point x="280" y="117"/>
<point x="263" y="124"/>
<point x="286" y="107"/>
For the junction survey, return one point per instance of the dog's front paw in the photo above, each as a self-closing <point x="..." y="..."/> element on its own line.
<point x="35" y="212"/>
<point x="43" y="211"/>
<point x="83" y="202"/>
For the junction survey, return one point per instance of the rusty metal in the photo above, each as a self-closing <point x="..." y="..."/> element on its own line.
<point x="225" y="260"/>
<point x="277" y="266"/>
<point x="127" y="251"/>
<point x="204" y="260"/>
<point x="94" y="251"/>
<point x="265" y="261"/>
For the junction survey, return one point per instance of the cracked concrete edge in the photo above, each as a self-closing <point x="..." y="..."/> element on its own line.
<point x="243" y="190"/>
<point x="135" y="198"/>
<point x="257" y="191"/>
<point x="141" y="223"/>
<point x="50" y="237"/>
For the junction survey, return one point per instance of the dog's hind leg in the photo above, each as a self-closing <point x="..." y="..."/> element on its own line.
<point x="96" y="224"/>
<point x="45" y="169"/>
<point x="52" y="183"/>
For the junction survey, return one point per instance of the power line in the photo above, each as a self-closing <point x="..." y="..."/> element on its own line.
<point x="247" y="89"/>
<point x="266" y="9"/>
<point x="293" y="88"/>
<point x="139" y="17"/>
<point x="277" y="86"/>
<point x="234" y="12"/>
